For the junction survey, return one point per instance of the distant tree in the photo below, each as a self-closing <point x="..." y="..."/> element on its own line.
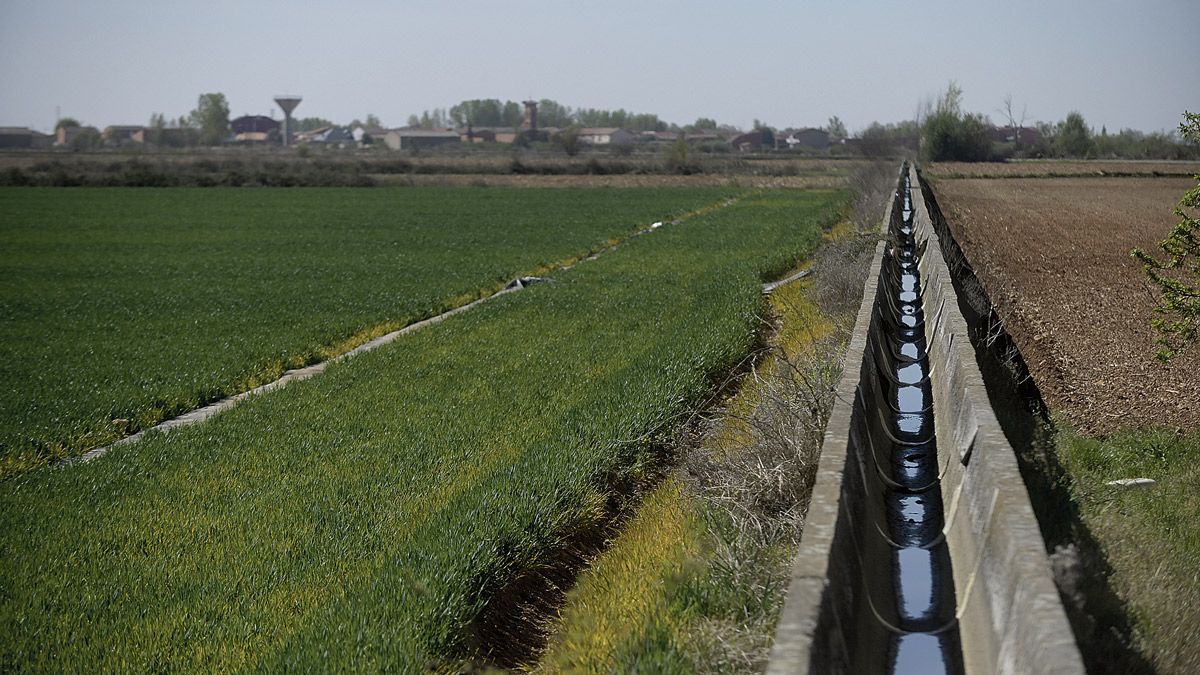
<point x="211" y="117"/>
<point x="156" y="130"/>
<point x="645" y="122"/>
<point x="620" y="118"/>
<point x="85" y="139"/>
<point x="950" y="135"/>
<point x="512" y="114"/>
<point x="875" y="141"/>
<point x="554" y="114"/>
<point x="67" y="122"/>
<point x="1013" y="122"/>
<point x="311" y="123"/>
<point x="836" y="128"/>
<point x="1178" y="277"/>
<point x="371" y="122"/>
<point x="568" y="140"/>
<point x="704" y="123"/>
<point x="677" y="157"/>
<point x="438" y="118"/>
<point x="593" y="117"/>
<point x="1074" y="139"/>
<point x="477" y="112"/>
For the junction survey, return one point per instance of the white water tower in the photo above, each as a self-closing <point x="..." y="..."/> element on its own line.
<point x="288" y="104"/>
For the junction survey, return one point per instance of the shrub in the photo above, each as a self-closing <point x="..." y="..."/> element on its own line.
<point x="1178" y="277"/>
<point x="1074" y="138"/>
<point x="949" y="135"/>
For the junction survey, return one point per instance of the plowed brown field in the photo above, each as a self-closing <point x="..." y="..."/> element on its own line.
<point x="1062" y="168"/>
<point x="1053" y="254"/>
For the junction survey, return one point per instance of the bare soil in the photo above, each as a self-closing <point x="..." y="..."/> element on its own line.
<point x="1047" y="168"/>
<point x="1053" y="254"/>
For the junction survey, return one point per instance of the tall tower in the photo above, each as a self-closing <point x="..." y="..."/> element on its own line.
<point x="530" y="122"/>
<point x="288" y="104"/>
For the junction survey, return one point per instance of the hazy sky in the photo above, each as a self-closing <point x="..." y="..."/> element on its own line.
<point x="1129" y="63"/>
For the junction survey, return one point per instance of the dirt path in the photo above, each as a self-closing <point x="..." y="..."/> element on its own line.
<point x="1053" y="254"/>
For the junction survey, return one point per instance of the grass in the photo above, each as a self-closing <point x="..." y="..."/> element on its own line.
<point x="626" y="593"/>
<point x="695" y="583"/>
<point x="1150" y="537"/>
<point x="387" y="514"/>
<point x="123" y="307"/>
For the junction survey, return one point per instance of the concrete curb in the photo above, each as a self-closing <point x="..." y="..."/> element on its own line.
<point x="1011" y="616"/>
<point x="825" y="572"/>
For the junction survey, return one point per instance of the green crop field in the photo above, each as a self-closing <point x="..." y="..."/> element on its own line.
<point x="136" y="304"/>
<point x="371" y="518"/>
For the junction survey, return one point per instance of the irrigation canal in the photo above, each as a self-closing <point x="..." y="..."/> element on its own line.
<point x="920" y="552"/>
<point x="919" y="620"/>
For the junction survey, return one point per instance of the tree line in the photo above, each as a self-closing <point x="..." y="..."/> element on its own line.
<point x="941" y="130"/>
<point x="948" y="133"/>
<point x="491" y="112"/>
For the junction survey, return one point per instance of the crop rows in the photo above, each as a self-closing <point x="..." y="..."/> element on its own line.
<point x="136" y="305"/>
<point x="370" y="518"/>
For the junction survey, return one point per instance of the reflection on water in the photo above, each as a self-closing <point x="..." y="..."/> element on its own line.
<point x="922" y="576"/>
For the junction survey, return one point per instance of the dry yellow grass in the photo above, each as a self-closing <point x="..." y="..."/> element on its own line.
<point x="627" y="586"/>
<point x="626" y="593"/>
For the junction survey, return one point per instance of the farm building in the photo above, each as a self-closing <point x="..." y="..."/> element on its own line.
<point x="24" y="137"/>
<point x="813" y="139"/>
<point x="253" y="128"/>
<point x="340" y="137"/>
<point x="487" y="134"/>
<point x="477" y="135"/>
<point x="704" y="137"/>
<point x="368" y="135"/>
<point x="606" y="136"/>
<point x="66" y="135"/>
<point x="748" y="141"/>
<point x="659" y="136"/>
<point x="404" y="139"/>
<point x="121" y="134"/>
<point x="169" y="136"/>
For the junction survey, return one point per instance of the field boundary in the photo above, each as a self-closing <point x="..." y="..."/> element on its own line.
<point x="203" y="413"/>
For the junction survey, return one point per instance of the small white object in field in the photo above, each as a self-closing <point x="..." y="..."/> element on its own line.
<point x="1133" y="483"/>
